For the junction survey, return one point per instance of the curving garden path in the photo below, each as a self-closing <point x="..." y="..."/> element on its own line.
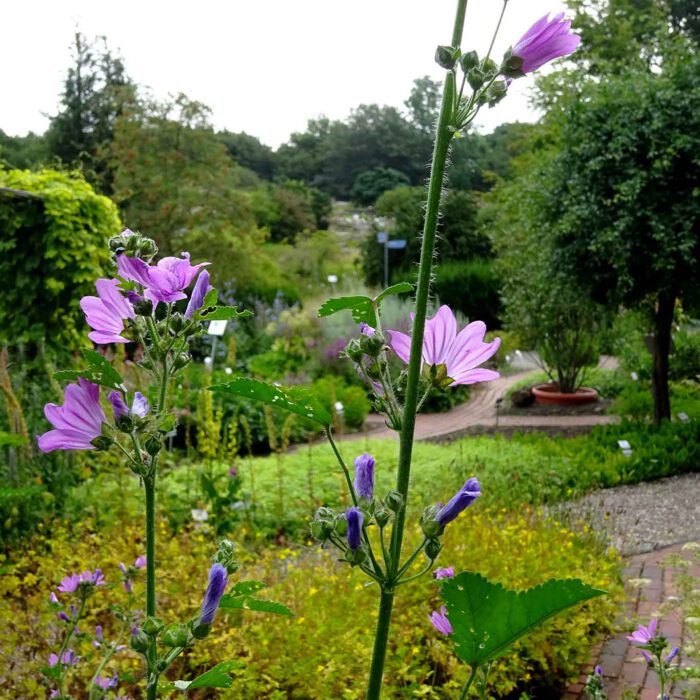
<point x="479" y="415"/>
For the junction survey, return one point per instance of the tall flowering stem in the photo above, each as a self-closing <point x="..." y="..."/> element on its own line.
<point x="443" y="137"/>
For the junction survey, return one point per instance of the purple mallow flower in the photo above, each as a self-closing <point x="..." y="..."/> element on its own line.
<point x="201" y="288"/>
<point x="71" y="583"/>
<point x="106" y="313"/>
<point x="107" y="683"/>
<point x="364" y="476"/>
<point x="674" y="652"/>
<point x="139" y="406"/>
<point x="355" y="519"/>
<point x="598" y="671"/>
<point x="463" y="498"/>
<point x="218" y="578"/>
<point x="440" y="621"/>
<point x="163" y="282"/>
<point x="140" y="562"/>
<point x="53" y="598"/>
<point x="447" y="572"/>
<point x="68" y="658"/>
<point x="546" y="40"/>
<point x="461" y="353"/>
<point x="367" y="330"/>
<point x="78" y="422"/>
<point x="643" y="635"/>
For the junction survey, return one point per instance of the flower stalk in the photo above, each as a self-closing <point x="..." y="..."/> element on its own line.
<point x="408" y="423"/>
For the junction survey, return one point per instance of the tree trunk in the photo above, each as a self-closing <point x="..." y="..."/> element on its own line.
<point x="663" y="321"/>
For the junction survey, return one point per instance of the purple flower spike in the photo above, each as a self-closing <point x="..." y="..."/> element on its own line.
<point x="546" y="40"/>
<point x="440" y="621"/>
<point x="364" y="476"/>
<point x="355" y="519"/>
<point x="78" y="422"/>
<point x="447" y="572"/>
<point x="218" y="578"/>
<point x="106" y="313"/>
<point x="461" y="353"/>
<point x="463" y="498"/>
<point x="674" y="652"/>
<point x="200" y="290"/>
<point x="643" y="635"/>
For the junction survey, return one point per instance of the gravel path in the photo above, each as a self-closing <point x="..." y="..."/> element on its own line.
<point x="643" y="517"/>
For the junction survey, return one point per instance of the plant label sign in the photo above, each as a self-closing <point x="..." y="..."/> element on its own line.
<point x="217" y="328"/>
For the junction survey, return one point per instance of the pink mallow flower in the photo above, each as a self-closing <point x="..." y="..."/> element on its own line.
<point x="461" y="353"/>
<point x="163" y="282"/>
<point x="106" y="313"/>
<point x="78" y="422"/>
<point x="440" y="621"/>
<point x="546" y="40"/>
<point x="643" y="635"/>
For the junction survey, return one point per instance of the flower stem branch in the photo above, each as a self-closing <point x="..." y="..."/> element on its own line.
<point x="437" y="174"/>
<point x="469" y="682"/>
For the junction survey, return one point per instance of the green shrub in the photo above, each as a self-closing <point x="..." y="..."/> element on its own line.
<point x="323" y="651"/>
<point x="356" y="406"/>
<point x="21" y="509"/>
<point x="472" y="287"/>
<point x="684" y="362"/>
<point x="53" y="249"/>
<point x="371" y="184"/>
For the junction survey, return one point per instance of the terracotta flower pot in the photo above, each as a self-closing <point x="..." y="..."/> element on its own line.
<point x="550" y="394"/>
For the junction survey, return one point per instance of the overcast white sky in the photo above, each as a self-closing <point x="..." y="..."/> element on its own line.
<point x="263" y="66"/>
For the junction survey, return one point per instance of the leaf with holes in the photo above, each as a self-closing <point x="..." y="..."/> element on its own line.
<point x="221" y="313"/>
<point x="98" y="371"/>
<point x="217" y="677"/>
<point x="487" y="618"/>
<point x="295" y="400"/>
<point x="362" y="308"/>
<point x="247" y="602"/>
<point x="400" y="288"/>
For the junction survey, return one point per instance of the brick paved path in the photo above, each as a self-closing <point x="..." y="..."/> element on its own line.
<point x="647" y="586"/>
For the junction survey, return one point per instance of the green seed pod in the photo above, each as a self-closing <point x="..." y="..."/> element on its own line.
<point x="153" y="445"/>
<point x="469" y="60"/>
<point x="144" y="307"/>
<point x="445" y="57"/>
<point x="382" y="517"/>
<point x="139" y="642"/>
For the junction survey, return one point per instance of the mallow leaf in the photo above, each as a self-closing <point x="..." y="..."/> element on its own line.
<point x="293" y="399"/>
<point x="216" y="677"/>
<point x="247" y="602"/>
<point x="363" y="309"/>
<point x="488" y="618"/>
<point x="98" y="371"/>
<point x="221" y="313"/>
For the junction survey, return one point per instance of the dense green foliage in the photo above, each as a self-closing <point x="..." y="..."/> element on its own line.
<point x="54" y="248"/>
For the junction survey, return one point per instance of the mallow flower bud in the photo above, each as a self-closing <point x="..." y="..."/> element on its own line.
<point x="445" y="57"/>
<point x="432" y="549"/>
<point x="353" y="350"/>
<point x="175" y="635"/>
<point x="152" y="625"/>
<point x="393" y="501"/>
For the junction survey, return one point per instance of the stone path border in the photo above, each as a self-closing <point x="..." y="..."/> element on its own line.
<point x="647" y="585"/>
